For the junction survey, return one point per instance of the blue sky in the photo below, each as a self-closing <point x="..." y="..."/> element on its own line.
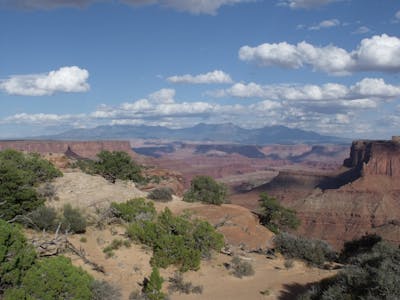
<point x="331" y="66"/>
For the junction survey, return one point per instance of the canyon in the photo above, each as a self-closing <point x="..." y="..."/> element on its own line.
<point x="338" y="194"/>
<point x="361" y="197"/>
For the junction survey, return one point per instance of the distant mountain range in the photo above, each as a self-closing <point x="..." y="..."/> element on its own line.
<point x="200" y="133"/>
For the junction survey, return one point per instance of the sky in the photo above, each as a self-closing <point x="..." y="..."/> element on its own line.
<point x="330" y="66"/>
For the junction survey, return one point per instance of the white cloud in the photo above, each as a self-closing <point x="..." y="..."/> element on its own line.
<point x="158" y="104"/>
<point x="163" y="96"/>
<point x="48" y="119"/>
<point x="329" y="108"/>
<point x="375" y="87"/>
<point x="325" y="24"/>
<point x="362" y="30"/>
<point x="66" y="79"/>
<point x="328" y="98"/>
<point x="397" y="15"/>
<point x="216" y="77"/>
<point x="305" y="3"/>
<point x="192" y="6"/>
<point x="378" y="53"/>
<point x="281" y="54"/>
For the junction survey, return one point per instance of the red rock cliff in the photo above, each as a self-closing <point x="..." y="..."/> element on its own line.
<point x="368" y="204"/>
<point x="375" y="157"/>
<point x="83" y="149"/>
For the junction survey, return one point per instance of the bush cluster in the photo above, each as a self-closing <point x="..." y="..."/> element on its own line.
<point x="162" y="194"/>
<point x="371" y="274"/>
<point x="151" y="288"/>
<point x="16" y="256"/>
<point x="53" y="278"/>
<point x="43" y="218"/>
<point x="46" y="218"/>
<point x="73" y="220"/>
<point x="176" y="240"/>
<point x="276" y="217"/>
<point x="205" y="189"/>
<point x="314" y="252"/>
<point x="134" y="210"/>
<point x="19" y="175"/>
<point x="102" y="290"/>
<point x="25" y="277"/>
<point x="112" y="166"/>
<point x="241" y="268"/>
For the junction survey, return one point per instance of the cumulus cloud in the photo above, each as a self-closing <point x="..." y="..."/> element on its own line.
<point x="158" y="104"/>
<point x="66" y="79"/>
<point x="331" y="109"/>
<point x="328" y="98"/>
<point x="216" y="77"/>
<point x="305" y="3"/>
<point x="191" y="6"/>
<point x="378" y="53"/>
<point x="325" y="24"/>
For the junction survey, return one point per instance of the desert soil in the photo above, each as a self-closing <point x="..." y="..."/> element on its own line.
<point x="128" y="267"/>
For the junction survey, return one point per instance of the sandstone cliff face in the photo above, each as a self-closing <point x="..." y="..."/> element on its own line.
<point x="375" y="158"/>
<point x="82" y="149"/>
<point x="363" y="198"/>
<point x="369" y="204"/>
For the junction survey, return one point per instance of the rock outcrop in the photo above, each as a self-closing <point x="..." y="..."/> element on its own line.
<point x="363" y="197"/>
<point x="75" y="148"/>
<point x="375" y="157"/>
<point x="369" y="203"/>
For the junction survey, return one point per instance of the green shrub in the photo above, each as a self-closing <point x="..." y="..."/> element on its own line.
<point x="102" y="290"/>
<point x="176" y="240"/>
<point x="206" y="238"/>
<point x="43" y="218"/>
<point x="372" y="274"/>
<point x="16" y="256"/>
<point x="177" y="284"/>
<point x="112" y="166"/>
<point x="205" y="189"/>
<point x="314" y="252"/>
<point x="152" y="287"/>
<point x="176" y="250"/>
<point x="162" y="194"/>
<point x="40" y="170"/>
<point x="54" y="279"/>
<point x="134" y="210"/>
<point x="241" y="268"/>
<point x="16" y="294"/>
<point x="19" y="173"/>
<point x="17" y="195"/>
<point x="276" y="217"/>
<point x="73" y="220"/>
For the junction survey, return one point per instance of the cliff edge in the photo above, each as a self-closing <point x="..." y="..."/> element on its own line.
<point x="82" y="149"/>
<point x="375" y="157"/>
